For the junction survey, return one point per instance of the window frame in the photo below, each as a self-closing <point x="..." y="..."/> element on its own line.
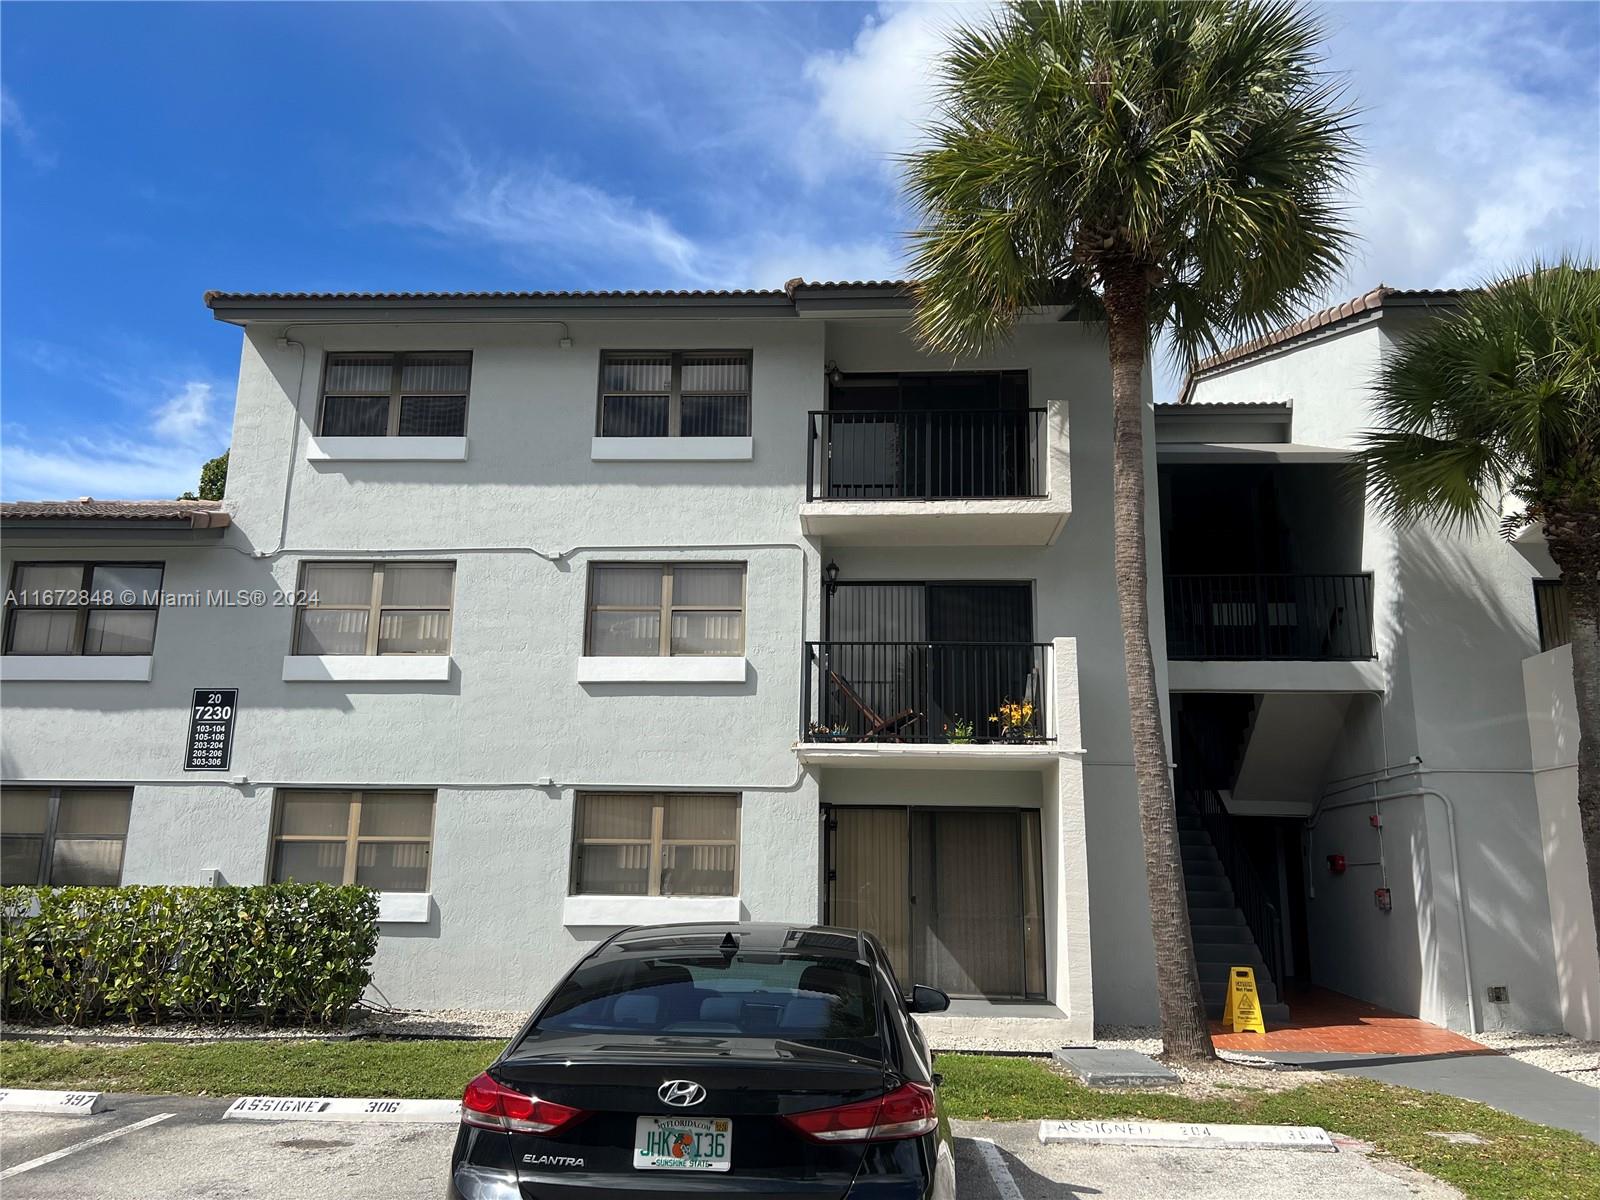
<point x="658" y="820"/>
<point x="353" y="838"/>
<point x="397" y="362"/>
<point x="47" y="848"/>
<point x="674" y="390"/>
<point x="80" y="630"/>
<point x="375" y="607"/>
<point x="666" y="607"/>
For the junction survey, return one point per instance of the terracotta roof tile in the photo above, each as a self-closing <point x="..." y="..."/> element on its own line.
<point x="215" y="297"/>
<point x="1369" y="302"/>
<point x="201" y="514"/>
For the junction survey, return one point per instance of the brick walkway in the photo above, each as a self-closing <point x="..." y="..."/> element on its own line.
<point x="1326" y="1021"/>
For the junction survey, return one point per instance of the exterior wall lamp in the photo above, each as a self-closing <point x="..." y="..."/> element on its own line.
<point x="831" y="370"/>
<point x="830" y="575"/>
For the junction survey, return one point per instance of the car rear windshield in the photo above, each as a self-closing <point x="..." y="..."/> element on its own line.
<point x="789" y="996"/>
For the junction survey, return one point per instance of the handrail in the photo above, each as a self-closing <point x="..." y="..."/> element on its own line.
<point x="1249" y="889"/>
<point x="1270" y="615"/>
<point x="925" y="691"/>
<point x="925" y="454"/>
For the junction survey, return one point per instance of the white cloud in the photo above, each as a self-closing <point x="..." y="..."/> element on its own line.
<point x="157" y="455"/>
<point x="13" y="121"/>
<point x="1482" y="136"/>
<point x="542" y="219"/>
<point x="875" y="96"/>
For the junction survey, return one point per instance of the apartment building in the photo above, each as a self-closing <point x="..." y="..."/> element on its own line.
<point x="1373" y="728"/>
<point x="550" y="613"/>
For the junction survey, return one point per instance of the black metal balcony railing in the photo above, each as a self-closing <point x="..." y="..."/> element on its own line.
<point x="952" y="692"/>
<point x="1555" y="617"/>
<point x="926" y="455"/>
<point x="1269" y="616"/>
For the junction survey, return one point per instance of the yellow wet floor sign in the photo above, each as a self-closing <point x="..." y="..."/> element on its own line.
<point x="1242" y="1012"/>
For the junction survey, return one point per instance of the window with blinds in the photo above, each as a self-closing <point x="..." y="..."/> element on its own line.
<point x="63" y="837"/>
<point x="83" y="608"/>
<point x="651" y="610"/>
<point x="378" y="839"/>
<point x="685" y="393"/>
<point x="396" y="395"/>
<point x="374" y="608"/>
<point x="656" y="844"/>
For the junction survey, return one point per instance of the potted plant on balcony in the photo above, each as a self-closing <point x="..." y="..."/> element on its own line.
<point x="1014" y="721"/>
<point x="959" y="731"/>
<point x="818" y="732"/>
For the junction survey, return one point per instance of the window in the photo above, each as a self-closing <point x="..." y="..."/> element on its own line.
<point x="374" y="608"/>
<point x="650" y="610"/>
<point x="83" y="608"/>
<point x="396" y="395"/>
<point x="380" y="840"/>
<point x="689" y="393"/>
<point x="63" y="837"/>
<point x="673" y="989"/>
<point x="657" y="844"/>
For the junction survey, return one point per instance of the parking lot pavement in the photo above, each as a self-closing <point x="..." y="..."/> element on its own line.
<point x="1005" y="1161"/>
<point x="192" y="1154"/>
<point x="172" y="1148"/>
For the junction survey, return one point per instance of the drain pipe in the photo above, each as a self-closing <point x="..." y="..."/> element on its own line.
<point x="1422" y="793"/>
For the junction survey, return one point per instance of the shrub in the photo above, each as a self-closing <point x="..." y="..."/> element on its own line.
<point x="287" y="952"/>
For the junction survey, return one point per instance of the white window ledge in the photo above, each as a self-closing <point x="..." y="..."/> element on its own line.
<point x="672" y="449"/>
<point x="697" y="669"/>
<point x="366" y="668"/>
<point x="388" y="449"/>
<point x="76" y="668"/>
<point x="404" y="908"/>
<point x="647" y="910"/>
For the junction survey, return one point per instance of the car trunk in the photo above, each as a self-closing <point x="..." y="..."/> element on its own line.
<point x="614" y="1079"/>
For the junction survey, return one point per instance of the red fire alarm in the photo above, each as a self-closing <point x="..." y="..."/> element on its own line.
<point x="1376" y="820"/>
<point x="1381" y="895"/>
<point x="1336" y="864"/>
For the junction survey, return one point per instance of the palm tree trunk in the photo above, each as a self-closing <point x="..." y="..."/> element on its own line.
<point x="1574" y="539"/>
<point x="1185" y="1033"/>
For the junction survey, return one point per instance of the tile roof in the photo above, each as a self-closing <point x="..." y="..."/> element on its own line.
<point x="201" y="514"/>
<point x="216" y="297"/>
<point x="1339" y="313"/>
<point x="787" y="291"/>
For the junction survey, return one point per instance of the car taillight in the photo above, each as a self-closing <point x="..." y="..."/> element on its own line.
<point x="903" y="1113"/>
<point x="490" y="1105"/>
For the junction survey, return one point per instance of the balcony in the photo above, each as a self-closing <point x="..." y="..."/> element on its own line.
<point x="878" y="702"/>
<point x="1308" y="618"/>
<point x="930" y="477"/>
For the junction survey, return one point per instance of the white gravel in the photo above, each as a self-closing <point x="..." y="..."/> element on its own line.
<point x="1570" y="1057"/>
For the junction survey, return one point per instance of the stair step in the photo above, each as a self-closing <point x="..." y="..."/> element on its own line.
<point x="1213" y="914"/>
<point x="1210" y="895"/>
<point x="1219" y="933"/>
<point x="1242" y="953"/>
<point x="1201" y="868"/>
<point x="1273" y="1016"/>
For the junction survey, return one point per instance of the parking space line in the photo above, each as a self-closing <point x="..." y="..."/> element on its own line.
<point x="55" y="1155"/>
<point x="999" y="1173"/>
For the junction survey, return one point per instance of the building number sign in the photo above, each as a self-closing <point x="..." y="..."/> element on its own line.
<point x="211" y="729"/>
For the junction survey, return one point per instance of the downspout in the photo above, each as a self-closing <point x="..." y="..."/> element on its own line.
<point x="1422" y="793"/>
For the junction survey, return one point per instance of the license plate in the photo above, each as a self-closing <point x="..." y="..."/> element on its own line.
<point x="683" y="1144"/>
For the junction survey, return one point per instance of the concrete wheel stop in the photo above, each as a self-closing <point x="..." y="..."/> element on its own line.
<point x="1114" y="1068"/>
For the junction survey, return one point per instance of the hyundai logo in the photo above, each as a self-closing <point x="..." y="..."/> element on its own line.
<point x="681" y="1093"/>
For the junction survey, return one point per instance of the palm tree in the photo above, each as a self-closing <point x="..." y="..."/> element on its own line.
<point x="1171" y="166"/>
<point x="1502" y="397"/>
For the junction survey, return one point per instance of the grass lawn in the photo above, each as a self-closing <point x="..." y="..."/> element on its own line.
<point x="1519" y="1160"/>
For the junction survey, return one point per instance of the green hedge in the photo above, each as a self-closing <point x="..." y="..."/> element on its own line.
<point x="285" y="953"/>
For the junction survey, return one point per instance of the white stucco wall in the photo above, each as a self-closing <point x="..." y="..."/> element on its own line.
<point x="511" y="735"/>
<point x="1453" y="621"/>
<point x="1553" y="731"/>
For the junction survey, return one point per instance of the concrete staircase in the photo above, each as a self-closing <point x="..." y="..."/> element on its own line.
<point x="1221" y="937"/>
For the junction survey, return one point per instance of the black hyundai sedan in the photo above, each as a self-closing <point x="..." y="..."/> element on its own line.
<point x="717" y="1059"/>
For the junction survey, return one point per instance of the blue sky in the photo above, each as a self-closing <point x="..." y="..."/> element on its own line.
<point x="150" y="152"/>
